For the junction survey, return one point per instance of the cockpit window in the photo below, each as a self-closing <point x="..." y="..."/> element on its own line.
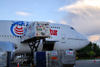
<point x="72" y="28"/>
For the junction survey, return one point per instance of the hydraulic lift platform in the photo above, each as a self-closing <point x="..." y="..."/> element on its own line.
<point x="34" y="33"/>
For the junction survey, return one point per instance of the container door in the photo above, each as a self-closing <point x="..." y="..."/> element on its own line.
<point x="63" y="38"/>
<point x="40" y="59"/>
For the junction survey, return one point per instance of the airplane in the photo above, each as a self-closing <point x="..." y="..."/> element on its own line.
<point x="63" y="37"/>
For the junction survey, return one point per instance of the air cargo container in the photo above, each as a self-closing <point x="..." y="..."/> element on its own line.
<point x="61" y="58"/>
<point x="36" y="30"/>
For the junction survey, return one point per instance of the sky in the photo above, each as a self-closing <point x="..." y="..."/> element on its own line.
<point x="83" y="15"/>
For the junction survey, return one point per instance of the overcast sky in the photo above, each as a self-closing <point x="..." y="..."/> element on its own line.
<point x="83" y="15"/>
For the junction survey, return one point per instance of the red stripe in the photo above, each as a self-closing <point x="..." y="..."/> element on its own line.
<point x="18" y="30"/>
<point x="18" y="33"/>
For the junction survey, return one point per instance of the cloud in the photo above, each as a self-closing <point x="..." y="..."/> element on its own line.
<point x="84" y="16"/>
<point x="51" y="21"/>
<point x="94" y="38"/>
<point x="63" y="22"/>
<point x="23" y="13"/>
<point x="81" y="4"/>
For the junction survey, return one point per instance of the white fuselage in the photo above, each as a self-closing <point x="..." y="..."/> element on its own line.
<point x="67" y="37"/>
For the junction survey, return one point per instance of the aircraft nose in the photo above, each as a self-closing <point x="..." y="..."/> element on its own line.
<point x="85" y="41"/>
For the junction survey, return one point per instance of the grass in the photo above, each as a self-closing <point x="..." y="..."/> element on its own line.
<point x="85" y="59"/>
<point x="89" y="59"/>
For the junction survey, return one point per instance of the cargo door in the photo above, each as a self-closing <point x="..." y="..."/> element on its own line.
<point x="63" y="38"/>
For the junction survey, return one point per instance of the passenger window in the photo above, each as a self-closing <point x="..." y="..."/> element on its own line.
<point x="10" y="35"/>
<point x="7" y="35"/>
<point x="13" y="36"/>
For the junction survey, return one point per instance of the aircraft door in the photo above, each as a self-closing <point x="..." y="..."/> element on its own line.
<point x="63" y="38"/>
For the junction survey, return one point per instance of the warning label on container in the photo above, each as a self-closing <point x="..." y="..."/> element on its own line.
<point x="54" y="52"/>
<point x="69" y="52"/>
<point x="54" y="58"/>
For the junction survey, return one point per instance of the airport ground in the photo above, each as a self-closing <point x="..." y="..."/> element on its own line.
<point x="88" y="63"/>
<point x="85" y="63"/>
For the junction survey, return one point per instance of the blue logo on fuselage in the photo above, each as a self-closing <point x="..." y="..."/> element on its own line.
<point x="17" y="24"/>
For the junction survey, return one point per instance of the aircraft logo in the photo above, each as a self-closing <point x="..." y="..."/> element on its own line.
<point x="17" y="28"/>
<point x="53" y="32"/>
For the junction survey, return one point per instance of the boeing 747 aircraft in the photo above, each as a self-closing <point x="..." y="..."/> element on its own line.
<point x="63" y="37"/>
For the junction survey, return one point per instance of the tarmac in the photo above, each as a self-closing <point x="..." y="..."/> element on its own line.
<point x="88" y="63"/>
<point x="84" y="63"/>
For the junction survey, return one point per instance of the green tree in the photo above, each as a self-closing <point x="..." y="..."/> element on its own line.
<point x="83" y="52"/>
<point x="96" y="49"/>
<point x="86" y="51"/>
<point x="77" y="53"/>
<point x="91" y="53"/>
